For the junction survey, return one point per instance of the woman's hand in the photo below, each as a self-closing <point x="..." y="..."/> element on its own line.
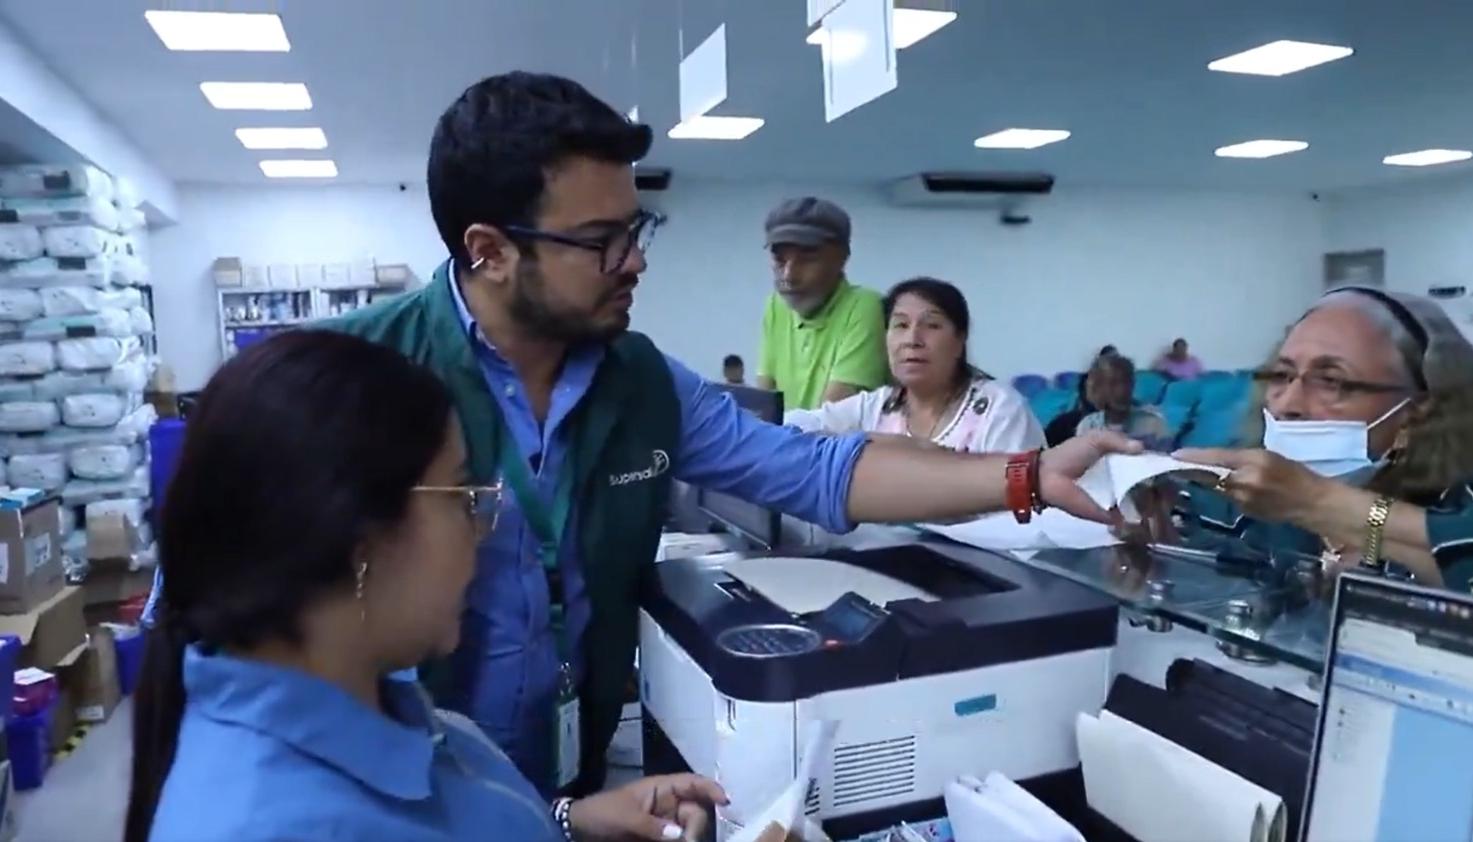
<point x="665" y="807"/>
<point x="1060" y="468"/>
<point x="1264" y="484"/>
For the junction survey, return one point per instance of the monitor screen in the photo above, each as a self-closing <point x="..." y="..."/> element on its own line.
<point x="750" y="522"/>
<point x="1394" y="747"/>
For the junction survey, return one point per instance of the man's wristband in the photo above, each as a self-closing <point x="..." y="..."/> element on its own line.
<point x="1021" y="491"/>
<point x="562" y="812"/>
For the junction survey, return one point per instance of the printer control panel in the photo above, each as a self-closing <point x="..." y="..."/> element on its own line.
<point x="849" y="619"/>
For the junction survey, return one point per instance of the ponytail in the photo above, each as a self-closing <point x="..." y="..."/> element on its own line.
<point x="157" y="714"/>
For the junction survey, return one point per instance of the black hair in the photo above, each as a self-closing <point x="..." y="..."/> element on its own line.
<point x="299" y="448"/>
<point x="494" y="145"/>
<point x="1118" y="362"/>
<point x="1108" y="351"/>
<point x="732" y="361"/>
<point x="952" y="304"/>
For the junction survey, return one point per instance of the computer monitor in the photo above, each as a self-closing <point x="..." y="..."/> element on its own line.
<point x="1393" y="755"/>
<point x="752" y="523"/>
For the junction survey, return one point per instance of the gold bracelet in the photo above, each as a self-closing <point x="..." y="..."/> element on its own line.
<point x="1375" y="524"/>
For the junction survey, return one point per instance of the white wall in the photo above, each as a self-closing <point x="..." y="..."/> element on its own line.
<point x="1133" y="268"/>
<point x="1424" y="230"/>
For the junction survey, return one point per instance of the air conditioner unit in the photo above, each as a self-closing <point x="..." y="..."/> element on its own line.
<point x="1003" y="190"/>
<point x="651" y="178"/>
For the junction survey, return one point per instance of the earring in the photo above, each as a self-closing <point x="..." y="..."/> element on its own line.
<point x="476" y="264"/>
<point x="361" y="574"/>
<point x="1399" y="446"/>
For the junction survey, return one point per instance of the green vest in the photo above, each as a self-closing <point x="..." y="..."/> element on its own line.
<point x="630" y="414"/>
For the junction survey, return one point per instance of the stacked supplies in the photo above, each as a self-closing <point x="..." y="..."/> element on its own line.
<point x="73" y="365"/>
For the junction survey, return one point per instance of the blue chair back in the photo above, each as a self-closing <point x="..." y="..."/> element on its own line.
<point x="1051" y="403"/>
<point x="1068" y="380"/>
<point x="1220" y="427"/>
<point x="1176" y="416"/>
<point x="1149" y="386"/>
<point x="1029" y="385"/>
<point x="1224" y="392"/>
<point x="1182" y="393"/>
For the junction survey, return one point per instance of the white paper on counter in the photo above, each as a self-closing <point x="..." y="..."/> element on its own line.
<point x="788" y="810"/>
<point x="804" y="585"/>
<point x="1109" y="481"/>
<point x="998" y="810"/>
<point x="1052" y="530"/>
<point x="1158" y="791"/>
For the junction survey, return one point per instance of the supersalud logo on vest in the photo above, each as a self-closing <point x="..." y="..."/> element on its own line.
<point x="659" y="464"/>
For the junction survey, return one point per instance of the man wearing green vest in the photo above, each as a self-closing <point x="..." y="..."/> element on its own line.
<point x="532" y="190"/>
<point x="823" y="339"/>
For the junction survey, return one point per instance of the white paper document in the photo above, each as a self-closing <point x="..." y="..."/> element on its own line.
<point x="998" y="810"/>
<point x="804" y="585"/>
<point x="1054" y="529"/>
<point x="1109" y="481"/>
<point x="1157" y="791"/>
<point x="788" y="809"/>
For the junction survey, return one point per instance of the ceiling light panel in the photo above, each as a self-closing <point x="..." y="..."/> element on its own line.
<point x="1020" y="138"/>
<point x="299" y="169"/>
<point x="257" y="96"/>
<point x="219" y="31"/>
<point x="1261" y="148"/>
<point x="282" y="138"/>
<point x="1427" y="157"/>
<point x="907" y="26"/>
<point x="707" y="127"/>
<point x="1280" y="58"/>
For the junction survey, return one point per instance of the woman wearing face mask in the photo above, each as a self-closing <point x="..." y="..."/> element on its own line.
<point x="937" y="396"/>
<point x="320" y="534"/>
<point x="1368" y="436"/>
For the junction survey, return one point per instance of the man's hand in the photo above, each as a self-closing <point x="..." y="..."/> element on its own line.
<point x="1264" y="484"/>
<point x="1060" y="468"/>
<point x="661" y="809"/>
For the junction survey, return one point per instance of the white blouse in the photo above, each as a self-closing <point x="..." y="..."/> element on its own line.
<point x="993" y="418"/>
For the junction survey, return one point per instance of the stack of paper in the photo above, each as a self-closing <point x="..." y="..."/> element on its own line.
<point x="1110" y="480"/>
<point x="788" y="809"/>
<point x="1157" y="791"/>
<point x="998" y="810"/>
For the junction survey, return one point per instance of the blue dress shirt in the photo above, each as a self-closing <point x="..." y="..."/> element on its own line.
<point x="506" y="667"/>
<point x="270" y="753"/>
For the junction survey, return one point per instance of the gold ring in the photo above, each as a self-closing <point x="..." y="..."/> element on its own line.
<point x="1222" y="484"/>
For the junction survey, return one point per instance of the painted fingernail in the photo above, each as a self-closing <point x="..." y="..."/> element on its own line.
<point x="672" y="831"/>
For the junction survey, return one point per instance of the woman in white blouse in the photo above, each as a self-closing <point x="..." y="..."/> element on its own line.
<point x="937" y="396"/>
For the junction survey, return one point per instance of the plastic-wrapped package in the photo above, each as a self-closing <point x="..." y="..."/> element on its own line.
<point x="46" y="471"/>
<point x="29" y="181"/>
<point x="141" y="321"/>
<point x="59" y="384"/>
<point x="74" y="210"/>
<point x="106" y="461"/>
<point x="26" y="358"/>
<point x="17" y="390"/>
<point x="129" y="269"/>
<point x="80" y="492"/>
<point x="131" y="509"/>
<point x="68" y="519"/>
<point x="28" y="416"/>
<point x="78" y="241"/>
<point x="77" y="301"/>
<point x="125" y="193"/>
<point x="93" y="353"/>
<point x="3" y="479"/>
<point x="93" y="411"/>
<point x="20" y="242"/>
<point x="106" y="322"/>
<point x="132" y="429"/>
<point x="63" y="271"/>
<point x="131" y="219"/>
<point x="129" y="376"/>
<point x="19" y="305"/>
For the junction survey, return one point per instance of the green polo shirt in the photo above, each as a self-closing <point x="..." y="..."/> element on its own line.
<point x="843" y="343"/>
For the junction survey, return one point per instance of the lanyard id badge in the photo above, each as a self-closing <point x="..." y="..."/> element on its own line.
<point x="549" y="526"/>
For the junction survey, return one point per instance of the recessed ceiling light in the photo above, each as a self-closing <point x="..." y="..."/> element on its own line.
<point x="1279" y="58"/>
<point x="219" y="31"/>
<point x="1261" y="148"/>
<point x="1020" y="138"/>
<point x="299" y="169"/>
<point x="257" y="96"/>
<point x="1427" y="157"/>
<point x="908" y="26"/>
<point x="707" y="127"/>
<point x="282" y="138"/>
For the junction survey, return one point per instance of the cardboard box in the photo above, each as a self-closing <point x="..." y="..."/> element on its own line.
<point x="111" y="535"/>
<point x="108" y="584"/>
<point x="281" y="276"/>
<point x="309" y="275"/>
<point x="93" y="679"/>
<point x="31" y="570"/>
<point x="227" y="272"/>
<point x="336" y="275"/>
<point x="254" y="275"/>
<point x="53" y="633"/>
<point x="63" y="718"/>
<point x="393" y="274"/>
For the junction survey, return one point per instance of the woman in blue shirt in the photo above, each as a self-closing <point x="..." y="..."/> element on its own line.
<point x="320" y="534"/>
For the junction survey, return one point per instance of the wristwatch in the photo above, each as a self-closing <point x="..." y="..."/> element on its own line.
<point x="1375" y="524"/>
<point x="1021" y="492"/>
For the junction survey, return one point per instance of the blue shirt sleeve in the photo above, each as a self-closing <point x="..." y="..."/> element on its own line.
<point x="726" y="449"/>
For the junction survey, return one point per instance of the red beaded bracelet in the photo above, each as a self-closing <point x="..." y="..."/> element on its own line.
<point x="1021" y="493"/>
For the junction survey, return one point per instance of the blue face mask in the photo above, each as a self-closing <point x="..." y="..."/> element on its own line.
<point x="1336" y="449"/>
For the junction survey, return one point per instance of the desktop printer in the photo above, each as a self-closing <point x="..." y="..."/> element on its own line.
<point x="934" y="660"/>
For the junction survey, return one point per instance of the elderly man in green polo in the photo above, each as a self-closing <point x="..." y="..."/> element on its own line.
<point x="823" y="339"/>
